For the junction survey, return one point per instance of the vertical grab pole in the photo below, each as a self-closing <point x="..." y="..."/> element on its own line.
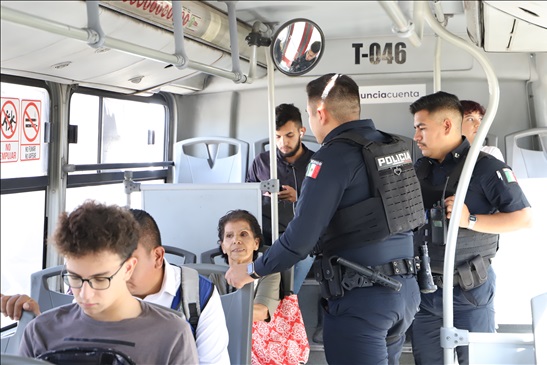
<point x="273" y="148"/>
<point x="450" y="252"/>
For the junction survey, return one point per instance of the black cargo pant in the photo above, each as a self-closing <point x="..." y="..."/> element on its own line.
<point x="368" y="325"/>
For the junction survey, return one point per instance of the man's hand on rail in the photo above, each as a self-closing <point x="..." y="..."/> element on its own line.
<point x="13" y="305"/>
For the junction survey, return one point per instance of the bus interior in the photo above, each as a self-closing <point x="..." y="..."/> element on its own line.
<point x="163" y="105"/>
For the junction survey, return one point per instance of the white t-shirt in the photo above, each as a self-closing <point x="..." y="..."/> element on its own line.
<point x="494" y="151"/>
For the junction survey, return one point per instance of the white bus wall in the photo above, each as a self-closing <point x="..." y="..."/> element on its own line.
<point x="240" y="111"/>
<point x="244" y="114"/>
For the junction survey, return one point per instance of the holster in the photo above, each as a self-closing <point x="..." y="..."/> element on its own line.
<point x="472" y="274"/>
<point x="329" y="277"/>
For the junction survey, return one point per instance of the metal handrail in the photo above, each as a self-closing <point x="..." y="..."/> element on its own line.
<point x="450" y="252"/>
<point x="115" y="166"/>
<point x="94" y="37"/>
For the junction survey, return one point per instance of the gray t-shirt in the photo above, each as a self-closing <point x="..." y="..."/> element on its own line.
<point x="156" y="336"/>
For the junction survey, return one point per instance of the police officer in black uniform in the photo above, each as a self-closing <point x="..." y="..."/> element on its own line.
<point x="340" y="215"/>
<point x="494" y="204"/>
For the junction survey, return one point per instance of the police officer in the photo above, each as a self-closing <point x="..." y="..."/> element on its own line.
<point x="364" y="323"/>
<point x="494" y="204"/>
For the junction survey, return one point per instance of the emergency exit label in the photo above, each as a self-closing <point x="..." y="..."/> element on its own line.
<point x="31" y="122"/>
<point x="9" y="151"/>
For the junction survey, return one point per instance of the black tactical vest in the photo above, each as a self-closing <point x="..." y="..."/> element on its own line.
<point x="395" y="205"/>
<point x="469" y="243"/>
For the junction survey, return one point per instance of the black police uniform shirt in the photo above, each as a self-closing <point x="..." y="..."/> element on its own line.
<point x="336" y="178"/>
<point x="493" y="186"/>
<point x="288" y="174"/>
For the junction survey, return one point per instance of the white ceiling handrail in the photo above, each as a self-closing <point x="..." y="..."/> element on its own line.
<point x="450" y="252"/>
<point x="94" y="38"/>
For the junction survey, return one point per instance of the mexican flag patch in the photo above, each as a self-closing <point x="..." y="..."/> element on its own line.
<point x="313" y="168"/>
<point x="509" y="175"/>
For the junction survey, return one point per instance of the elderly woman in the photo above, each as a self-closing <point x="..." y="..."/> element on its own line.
<point x="240" y="238"/>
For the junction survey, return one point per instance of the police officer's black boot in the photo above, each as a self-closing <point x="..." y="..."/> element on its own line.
<point x="318" y="334"/>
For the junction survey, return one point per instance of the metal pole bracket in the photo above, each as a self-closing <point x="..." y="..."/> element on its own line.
<point x="270" y="186"/>
<point x="453" y="337"/>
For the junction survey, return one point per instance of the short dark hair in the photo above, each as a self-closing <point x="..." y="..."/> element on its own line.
<point x="344" y="93"/>
<point x="147" y="228"/>
<point x="285" y="113"/>
<point x="470" y="106"/>
<point x="95" y="227"/>
<point x="315" y="47"/>
<point x="437" y="101"/>
<point x="240" y="215"/>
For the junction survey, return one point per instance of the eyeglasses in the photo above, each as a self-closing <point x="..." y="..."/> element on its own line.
<point x="97" y="282"/>
<point x="329" y="86"/>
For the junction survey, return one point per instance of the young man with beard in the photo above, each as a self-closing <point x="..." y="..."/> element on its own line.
<point x="292" y="160"/>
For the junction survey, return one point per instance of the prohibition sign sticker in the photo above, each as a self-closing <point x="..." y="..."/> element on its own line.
<point x="9" y="119"/>
<point x="31" y="121"/>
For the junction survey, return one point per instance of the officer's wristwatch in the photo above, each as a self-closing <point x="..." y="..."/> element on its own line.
<point x="472" y="221"/>
<point x="251" y="270"/>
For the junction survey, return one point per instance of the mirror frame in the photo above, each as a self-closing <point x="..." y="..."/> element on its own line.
<point x="281" y="29"/>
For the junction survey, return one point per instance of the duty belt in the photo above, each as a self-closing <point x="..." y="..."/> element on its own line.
<point x="352" y="279"/>
<point x="469" y="274"/>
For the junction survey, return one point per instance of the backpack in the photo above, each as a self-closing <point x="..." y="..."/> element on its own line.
<point x="195" y="296"/>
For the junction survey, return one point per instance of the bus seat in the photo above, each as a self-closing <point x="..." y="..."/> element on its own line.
<point x="238" y="310"/>
<point x="211" y="160"/>
<point x="539" y="326"/>
<point x="491" y="140"/>
<point x="501" y="348"/>
<point x="43" y="294"/>
<point x="10" y="345"/>
<point x="527" y="163"/>
<point x="214" y="256"/>
<point x="263" y="145"/>
<point x="179" y="256"/>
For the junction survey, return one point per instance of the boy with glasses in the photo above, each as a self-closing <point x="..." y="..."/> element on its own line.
<point x="98" y="242"/>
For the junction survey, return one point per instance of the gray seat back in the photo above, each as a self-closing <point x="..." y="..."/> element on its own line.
<point x="46" y="298"/>
<point x="41" y="291"/>
<point x="238" y="310"/>
<point x="10" y="345"/>
<point x="263" y="144"/>
<point x="205" y="160"/>
<point x="179" y="256"/>
<point x="527" y="163"/>
<point x="539" y="325"/>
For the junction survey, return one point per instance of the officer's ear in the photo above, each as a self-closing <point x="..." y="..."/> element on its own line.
<point x="322" y="114"/>
<point x="447" y="125"/>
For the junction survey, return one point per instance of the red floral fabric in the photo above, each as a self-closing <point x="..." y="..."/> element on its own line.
<point x="283" y="340"/>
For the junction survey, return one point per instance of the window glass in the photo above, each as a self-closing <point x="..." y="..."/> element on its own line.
<point x="129" y="131"/>
<point x="22" y="237"/>
<point x="129" y="127"/>
<point x="109" y="194"/>
<point x="84" y="112"/>
<point x="25" y="112"/>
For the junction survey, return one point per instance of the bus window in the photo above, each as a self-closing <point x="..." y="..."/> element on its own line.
<point x="108" y="194"/>
<point x="116" y="130"/>
<point x="22" y="237"/>
<point x="24" y="156"/>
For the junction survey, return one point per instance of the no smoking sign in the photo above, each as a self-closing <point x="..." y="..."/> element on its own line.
<point x="31" y="122"/>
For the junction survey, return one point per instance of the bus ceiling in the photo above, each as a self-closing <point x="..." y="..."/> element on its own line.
<point x="133" y="50"/>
